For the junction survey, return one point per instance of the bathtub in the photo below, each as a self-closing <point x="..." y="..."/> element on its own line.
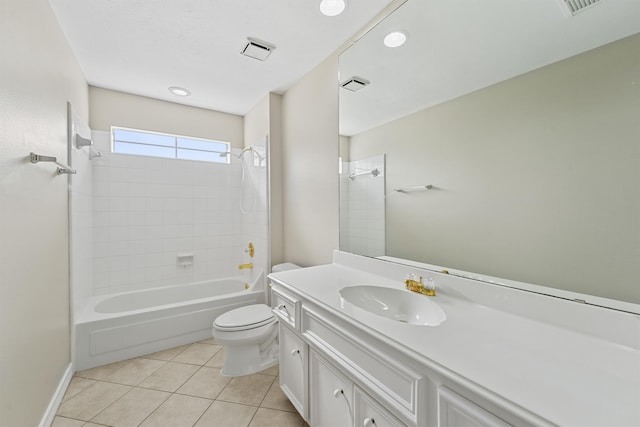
<point x="121" y="326"/>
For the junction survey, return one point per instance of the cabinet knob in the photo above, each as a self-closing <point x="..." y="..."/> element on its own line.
<point x="368" y="422"/>
<point x="337" y="392"/>
<point x="295" y="352"/>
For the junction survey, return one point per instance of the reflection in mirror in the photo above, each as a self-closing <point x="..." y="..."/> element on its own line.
<point x="362" y="188"/>
<point x="526" y="124"/>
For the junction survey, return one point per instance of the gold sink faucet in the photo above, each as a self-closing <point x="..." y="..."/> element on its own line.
<point x="418" y="287"/>
<point x="243" y="266"/>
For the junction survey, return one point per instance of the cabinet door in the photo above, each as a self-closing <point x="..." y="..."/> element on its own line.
<point x="331" y="394"/>
<point x="369" y="413"/>
<point x="457" y="411"/>
<point x="293" y="369"/>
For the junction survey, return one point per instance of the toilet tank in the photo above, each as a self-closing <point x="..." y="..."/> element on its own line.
<point x="284" y="267"/>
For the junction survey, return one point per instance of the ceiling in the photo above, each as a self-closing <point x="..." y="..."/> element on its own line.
<point x="457" y="47"/>
<point x="145" y="46"/>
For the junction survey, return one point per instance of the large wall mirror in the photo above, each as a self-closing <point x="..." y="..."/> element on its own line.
<point x="510" y="136"/>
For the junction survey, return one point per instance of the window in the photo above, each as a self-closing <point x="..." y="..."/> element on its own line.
<point x="144" y="143"/>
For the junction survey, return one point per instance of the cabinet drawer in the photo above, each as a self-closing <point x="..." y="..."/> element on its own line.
<point x="286" y="307"/>
<point x="388" y="380"/>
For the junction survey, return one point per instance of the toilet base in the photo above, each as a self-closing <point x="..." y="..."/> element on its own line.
<point x="249" y="359"/>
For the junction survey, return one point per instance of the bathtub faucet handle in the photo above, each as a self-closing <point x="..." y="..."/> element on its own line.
<point x="251" y="250"/>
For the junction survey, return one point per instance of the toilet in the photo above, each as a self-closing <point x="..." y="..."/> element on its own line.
<point x="250" y="336"/>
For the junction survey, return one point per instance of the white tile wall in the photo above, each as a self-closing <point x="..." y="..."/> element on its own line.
<point x="362" y="208"/>
<point x="148" y="210"/>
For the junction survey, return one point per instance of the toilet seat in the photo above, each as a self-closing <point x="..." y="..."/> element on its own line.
<point x="245" y="318"/>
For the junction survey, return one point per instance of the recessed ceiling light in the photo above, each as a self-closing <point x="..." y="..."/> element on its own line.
<point x="180" y="91"/>
<point x="395" y="39"/>
<point x="332" y="7"/>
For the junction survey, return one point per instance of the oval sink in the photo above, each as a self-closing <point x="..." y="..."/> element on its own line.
<point x="395" y="304"/>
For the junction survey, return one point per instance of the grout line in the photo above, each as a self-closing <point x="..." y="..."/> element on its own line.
<point x="109" y="405"/>
<point x="203" y="412"/>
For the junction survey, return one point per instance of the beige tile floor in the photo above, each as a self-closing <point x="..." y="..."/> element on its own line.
<point x="178" y="387"/>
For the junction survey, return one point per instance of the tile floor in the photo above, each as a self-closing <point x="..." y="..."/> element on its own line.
<point x="178" y="387"/>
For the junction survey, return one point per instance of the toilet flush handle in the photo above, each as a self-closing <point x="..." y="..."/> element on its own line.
<point x="282" y="307"/>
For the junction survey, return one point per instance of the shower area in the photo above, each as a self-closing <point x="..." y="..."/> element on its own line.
<point x="156" y="244"/>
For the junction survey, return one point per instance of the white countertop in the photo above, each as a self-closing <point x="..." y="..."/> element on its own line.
<point x="566" y="377"/>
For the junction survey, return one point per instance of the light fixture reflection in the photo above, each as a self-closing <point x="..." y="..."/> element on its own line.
<point x="395" y="39"/>
<point x="332" y="7"/>
<point x="180" y="91"/>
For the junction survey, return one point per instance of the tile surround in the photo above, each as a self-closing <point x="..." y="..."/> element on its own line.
<point x="176" y="387"/>
<point x="139" y="212"/>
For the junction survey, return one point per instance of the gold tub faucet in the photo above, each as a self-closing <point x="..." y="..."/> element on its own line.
<point x="418" y="287"/>
<point x="243" y="266"/>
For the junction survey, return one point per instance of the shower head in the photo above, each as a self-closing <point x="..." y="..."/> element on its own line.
<point x="239" y="155"/>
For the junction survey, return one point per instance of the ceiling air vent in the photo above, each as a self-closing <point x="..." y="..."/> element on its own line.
<point x="355" y="83"/>
<point x="576" y="6"/>
<point x="257" y="49"/>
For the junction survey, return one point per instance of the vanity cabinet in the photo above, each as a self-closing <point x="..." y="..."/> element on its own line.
<point x="336" y="374"/>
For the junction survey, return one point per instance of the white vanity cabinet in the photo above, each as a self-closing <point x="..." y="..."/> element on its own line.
<point x="503" y="357"/>
<point x="335" y="375"/>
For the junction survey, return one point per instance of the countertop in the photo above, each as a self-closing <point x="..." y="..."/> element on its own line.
<point x="564" y="376"/>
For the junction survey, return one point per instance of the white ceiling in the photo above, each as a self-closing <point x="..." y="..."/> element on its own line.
<point x="145" y="46"/>
<point x="457" y="47"/>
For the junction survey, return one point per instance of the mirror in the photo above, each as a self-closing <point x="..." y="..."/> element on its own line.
<point x="524" y="120"/>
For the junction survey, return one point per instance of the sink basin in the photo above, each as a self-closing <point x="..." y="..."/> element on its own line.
<point x="395" y="304"/>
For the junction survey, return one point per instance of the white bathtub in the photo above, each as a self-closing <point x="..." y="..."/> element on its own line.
<point x="130" y="324"/>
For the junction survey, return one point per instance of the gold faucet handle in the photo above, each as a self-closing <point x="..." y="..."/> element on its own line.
<point x="251" y="249"/>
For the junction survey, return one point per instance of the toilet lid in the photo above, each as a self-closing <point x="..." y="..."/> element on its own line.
<point x="247" y="317"/>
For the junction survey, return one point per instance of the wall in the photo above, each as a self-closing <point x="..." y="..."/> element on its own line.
<point x="112" y="108"/>
<point x="39" y="76"/>
<point x="310" y="166"/>
<point x="536" y="177"/>
<point x="276" y="228"/>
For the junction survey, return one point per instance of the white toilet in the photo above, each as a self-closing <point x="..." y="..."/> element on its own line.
<point x="250" y="336"/>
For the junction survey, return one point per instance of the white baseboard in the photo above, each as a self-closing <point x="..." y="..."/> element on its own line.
<point x="52" y="409"/>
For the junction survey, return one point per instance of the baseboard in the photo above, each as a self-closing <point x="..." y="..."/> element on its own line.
<point x="52" y="409"/>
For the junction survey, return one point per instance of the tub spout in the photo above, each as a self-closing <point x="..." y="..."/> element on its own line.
<point x="243" y="266"/>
